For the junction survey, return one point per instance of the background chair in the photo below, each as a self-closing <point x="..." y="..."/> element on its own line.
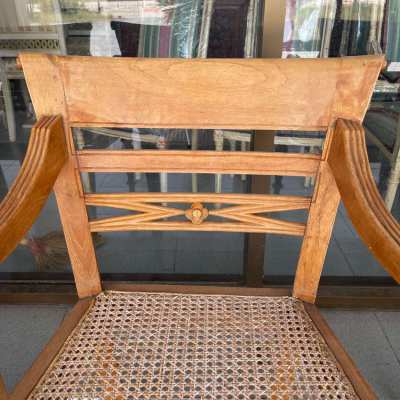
<point x="382" y="127"/>
<point x="18" y="34"/>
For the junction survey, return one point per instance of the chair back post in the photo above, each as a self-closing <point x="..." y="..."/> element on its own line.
<point x="45" y="85"/>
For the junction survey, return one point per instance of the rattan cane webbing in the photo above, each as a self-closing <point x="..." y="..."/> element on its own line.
<point x="178" y="346"/>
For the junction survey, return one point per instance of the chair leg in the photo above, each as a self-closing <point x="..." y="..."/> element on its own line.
<point x="243" y="147"/>
<point x="162" y="145"/>
<point x="308" y="179"/>
<point x="218" y="183"/>
<point x="27" y="100"/>
<point x="80" y="144"/>
<point x="232" y="146"/>
<point x="195" y="145"/>
<point x="88" y="187"/>
<point x="164" y="182"/>
<point x="312" y="178"/>
<point x="187" y="137"/>
<point x="8" y="104"/>
<point x="394" y="177"/>
<point x="219" y="145"/>
<point x="137" y="145"/>
<point x="393" y="184"/>
<point x="3" y="118"/>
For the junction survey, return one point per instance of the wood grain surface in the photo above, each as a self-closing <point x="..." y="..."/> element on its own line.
<point x="211" y="93"/>
<point x="348" y="160"/>
<point x="207" y="162"/>
<point x="45" y="157"/>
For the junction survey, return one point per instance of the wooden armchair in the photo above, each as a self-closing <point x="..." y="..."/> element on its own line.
<point x="198" y="342"/>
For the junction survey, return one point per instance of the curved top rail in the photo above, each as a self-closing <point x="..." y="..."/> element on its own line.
<point x="348" y="160"/>
<point x="264" y="94"/>
<point x="43" y="161"/>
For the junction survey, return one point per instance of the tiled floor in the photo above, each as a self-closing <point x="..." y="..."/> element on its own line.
<point x="371" y="338"/>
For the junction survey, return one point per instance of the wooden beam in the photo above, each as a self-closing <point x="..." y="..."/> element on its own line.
<point x="75" y="222"/>
<point x="318" y="233"/>
<point x="274" y="202"/>
<point x="206" y="162"/>
<point x="132" y="223"/>
<point x="208" y="93"/>
<point x="45" y="83"/>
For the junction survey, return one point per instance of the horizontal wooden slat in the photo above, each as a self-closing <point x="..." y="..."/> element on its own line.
<point x="209" y="93"/>
<point x="207" y="162"/>
<point x="274" y="202"/>
<point x="125" y="224"/>
<point x="91" y="126"/>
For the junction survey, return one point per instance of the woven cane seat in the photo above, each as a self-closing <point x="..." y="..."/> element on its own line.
<point x="183" y="346"/>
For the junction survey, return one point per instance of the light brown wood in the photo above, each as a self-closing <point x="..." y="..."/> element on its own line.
<point x="45" y="156"/>
<point x="75" y="222"/>
<point x="131" y="223"/>
<point x="353" y="98"/>
<point x="243" y="212"/>
<point x="317" y="236"/>
<point x="207" y="162"/>
<point x="320" y="222"/>
<point x="52" y="348"/>
<point x="45" y="86"/>
<point x="273" y="202"/>
<point x="348" y="159"/>
<point x="361" y="387"/>
<point x="210" y="93"/>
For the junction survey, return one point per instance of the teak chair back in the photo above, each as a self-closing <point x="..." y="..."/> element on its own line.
<point x="329" y="95"/>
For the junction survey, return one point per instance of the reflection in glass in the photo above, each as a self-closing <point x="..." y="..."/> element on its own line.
<point x="382" y="126"/>
<point x="308" y="28"/>
<point x="393" y="31"/>
<point x="322" y="28"/>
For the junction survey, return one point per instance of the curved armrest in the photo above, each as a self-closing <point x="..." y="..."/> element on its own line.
<point x="348" y="159"/>
<point x="43" y="161"/>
